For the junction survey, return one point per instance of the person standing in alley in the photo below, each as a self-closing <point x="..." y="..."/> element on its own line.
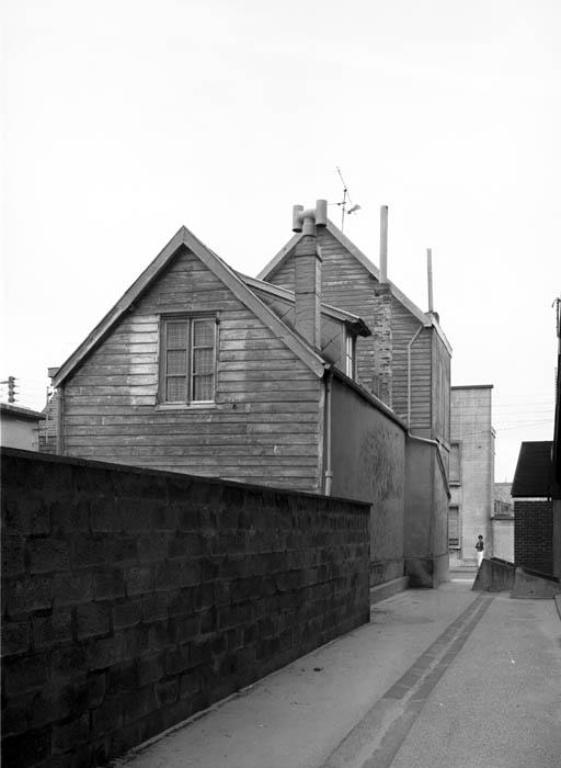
<point x="479" y="546"/>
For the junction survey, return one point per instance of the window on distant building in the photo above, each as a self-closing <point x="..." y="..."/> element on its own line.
<point x="453" y="528"/>
<point x="187" y="359"/>
<point x="454" y="477"/>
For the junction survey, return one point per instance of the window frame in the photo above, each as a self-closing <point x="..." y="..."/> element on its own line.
<point x="189" y="318"/>
<point x="350" y="355"/>
<point x="455" y="481"/>
<point x="457" y="546"/>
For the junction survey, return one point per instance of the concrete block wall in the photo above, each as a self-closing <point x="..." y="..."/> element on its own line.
<point x="533" y="535"/>
<point x="134" y="598"/>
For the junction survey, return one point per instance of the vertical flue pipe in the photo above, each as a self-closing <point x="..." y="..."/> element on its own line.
<point x="429" y="279"/>
<point x="384" y="244"/>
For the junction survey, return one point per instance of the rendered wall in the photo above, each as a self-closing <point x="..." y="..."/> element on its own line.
<point x="426" y="517"/>
<point x="134" y="598"/>
<point x="474" y="495"/>
<point x="368" y="460"/>
<point x="503" y="538"/>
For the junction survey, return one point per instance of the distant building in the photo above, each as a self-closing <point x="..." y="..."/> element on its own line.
<point x="503" y="522"/>
<point x="19" y="427"/>
<point x="471" y="472"/>
<point x="533" y="490"/>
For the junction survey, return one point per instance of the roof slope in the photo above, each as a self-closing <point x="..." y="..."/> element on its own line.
<point x="428" y="319"/>
<point x="185" y="238"/>
<point x="353" y="321"/>
<point x="533" y="475"/>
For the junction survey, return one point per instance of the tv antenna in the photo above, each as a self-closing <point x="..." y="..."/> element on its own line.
<point x="345" y="201"/>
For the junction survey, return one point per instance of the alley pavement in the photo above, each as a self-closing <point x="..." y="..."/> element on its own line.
<point x="439" y="678"/>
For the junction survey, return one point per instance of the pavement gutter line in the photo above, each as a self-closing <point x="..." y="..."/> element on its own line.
<point x="376" y="739"/>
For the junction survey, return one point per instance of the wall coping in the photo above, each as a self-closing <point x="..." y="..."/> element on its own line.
<point x="50" y="458"/>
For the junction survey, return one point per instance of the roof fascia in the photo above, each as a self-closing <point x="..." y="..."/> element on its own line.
<point x="223" y="272"/>
<point x="120" y="308"/>
<point x="342" y="315"/>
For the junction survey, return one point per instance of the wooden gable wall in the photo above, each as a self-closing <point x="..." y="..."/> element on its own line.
<point x="266" y="425"/>
<point x="345" y="284"/>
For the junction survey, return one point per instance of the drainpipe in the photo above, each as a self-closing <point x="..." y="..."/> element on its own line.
<point x="60" y="420"/>
<point x="409" y="347"/>
<point x="328" y="474"/>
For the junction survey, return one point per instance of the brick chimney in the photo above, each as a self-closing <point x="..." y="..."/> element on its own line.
<point x="308" y="271"/>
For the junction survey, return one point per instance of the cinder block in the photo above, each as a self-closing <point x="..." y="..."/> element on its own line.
<point x="72" y="588"/>
<point x="69" y="735"/>
<point x="24" y="673"/>
<point x="29" y="593"/>
<point x="16" y="637"/>
<point x="92" y="619"/>
<point x="127" y="614"/>
<point x="52" y="630"/>
<point x="109" y="584"/>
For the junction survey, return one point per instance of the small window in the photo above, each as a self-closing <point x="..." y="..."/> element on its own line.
<point x="454" y="468"/>
<point x="350" y="344"/>
<point x="187" y="360"/>
<point x="453" y="528"/>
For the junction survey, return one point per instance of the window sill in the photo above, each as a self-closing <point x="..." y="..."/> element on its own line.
<point x="185" y="406"/>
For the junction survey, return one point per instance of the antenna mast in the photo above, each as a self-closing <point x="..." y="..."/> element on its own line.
<point x="345" y="201"/>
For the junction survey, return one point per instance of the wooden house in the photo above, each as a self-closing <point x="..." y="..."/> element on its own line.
<point x="405" y="362"/>
<point x="199" y="369"/>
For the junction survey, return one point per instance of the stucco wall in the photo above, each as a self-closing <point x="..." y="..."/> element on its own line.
<point x="368" y="462"/>
<point x="503" y="539"/>
<point x="16" y="433"/>
<point x="426" y="510"/>
<point x="471" y="428"/>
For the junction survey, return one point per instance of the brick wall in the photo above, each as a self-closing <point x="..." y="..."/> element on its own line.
<point x="134" y="598"/>
<point x="533" y="535"/>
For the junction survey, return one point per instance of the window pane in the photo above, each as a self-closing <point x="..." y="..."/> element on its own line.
<point x="454" y="472"/>
<point x="203" y="387"/>
<point x="176" y="389"/>
<point x="177" y="361"/>
<point x="203" y="333"/>
<point x="203" y="360"/>
<point x="176" y="335"/>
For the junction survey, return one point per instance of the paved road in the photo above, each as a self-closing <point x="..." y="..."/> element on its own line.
<point x="441" y="677"/>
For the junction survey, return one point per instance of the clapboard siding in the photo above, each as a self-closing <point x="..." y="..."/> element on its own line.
<point x="265" y="425"/>
<point x="347" y="284"/>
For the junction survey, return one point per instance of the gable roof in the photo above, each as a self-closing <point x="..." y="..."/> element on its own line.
<point x="184" y="238"/>
<point x="354" y="322"/>
<point x="533" y="476"/>
<point x="427" y="319"/>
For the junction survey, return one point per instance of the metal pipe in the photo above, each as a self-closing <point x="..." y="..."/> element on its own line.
<point x="429" y="279"/>
<point x="60" y="420"/>
<point x="328" y="473"/>
<point x="384" y="244"/>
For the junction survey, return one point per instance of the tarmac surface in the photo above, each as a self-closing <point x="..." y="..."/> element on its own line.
<point x="439" y="678"/>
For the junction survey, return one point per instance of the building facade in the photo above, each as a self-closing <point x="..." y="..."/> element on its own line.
<point x="471" y="473"/>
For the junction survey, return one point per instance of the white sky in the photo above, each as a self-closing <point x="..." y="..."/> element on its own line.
<point x="124" y="120"/>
